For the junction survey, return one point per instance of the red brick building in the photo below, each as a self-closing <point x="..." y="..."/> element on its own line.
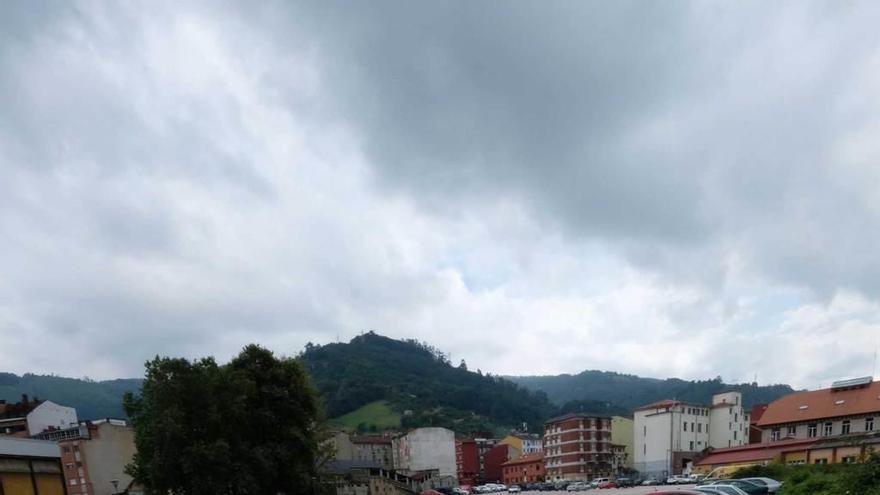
<point x="577" y="447"/>
<point x="494" y="459"/>
<point x="467" y="462"/>
<point x="525" y="469"/>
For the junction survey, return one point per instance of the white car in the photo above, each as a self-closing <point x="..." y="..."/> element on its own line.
<point x="772" y="485"/>
<point x="721" y="489"/>
<point x="598" y="481"/>
<point x="677" y="479"/>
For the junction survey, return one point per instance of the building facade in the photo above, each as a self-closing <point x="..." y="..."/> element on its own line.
<point x="525" y="443"/>
<point x="622" y="433"/>
<point x="425" y="450"/>
<point x="494" y="460"/>
<point x="94" y="455"/>
<point x="467" y="462"/>
<point x="31" y="467"/>
<point x="31" y="417"/>
<point x="373" y="448"/>
<point x="524" y="469"/>
<point x="669" y="434"/>
<point x="848" y="408"/>
<point x="577" y="447"/>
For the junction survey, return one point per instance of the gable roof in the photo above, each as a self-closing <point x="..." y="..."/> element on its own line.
<point x="822" y="404"/>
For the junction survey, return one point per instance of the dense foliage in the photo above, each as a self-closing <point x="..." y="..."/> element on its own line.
<point x="249" y="427"/>
<point x="420" y="380"/>
<point x="92" y="400"/>
<point x="822" y="479"/>
<point x="630" y="392"/>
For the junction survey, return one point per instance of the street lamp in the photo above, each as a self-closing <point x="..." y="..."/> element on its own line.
<point x="115" y="484"/>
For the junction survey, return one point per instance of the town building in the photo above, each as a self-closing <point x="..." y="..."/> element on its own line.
<point x="847" y="408"/>
<point x="670" y="434"/>
<point x="619" y="459"/>
<point x="524" y="469"/>
<point x="622" y="433"/>
<point x="494" y="460"/>
<point x="30" y="417"/>
<point x="577" y="447"/>
<point x="375" y="448"/>
<point x="754" y="416"/>
<point x="525" y="443"/>
<point x="470" y="454"/>
<point x="429" y="451"/>
<point x="30" y="467"/>
<point x="94" y="455"/>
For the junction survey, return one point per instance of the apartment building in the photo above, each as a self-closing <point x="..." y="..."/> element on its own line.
<point x="426" y="451"/>
<point x="622" y="431"/>
<point x="94" y="455"/>
<point x="524" y="469"/>
<point x="577" y="447"/>
<point x="525" y="443"/>
<point x="375" y="450"/>
<point x="470" y="459"/>
<point x="670" y="434"/>
<point x="847" y="408"/>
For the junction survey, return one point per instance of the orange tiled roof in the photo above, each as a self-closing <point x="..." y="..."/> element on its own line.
<point x="754" y="452"/>
<point x="820" y="404"/>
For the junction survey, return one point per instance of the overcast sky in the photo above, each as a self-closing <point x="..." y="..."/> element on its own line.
<point x="658" y="188"/>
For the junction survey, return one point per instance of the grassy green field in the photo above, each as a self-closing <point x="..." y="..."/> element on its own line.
<point x="378" y="414"/>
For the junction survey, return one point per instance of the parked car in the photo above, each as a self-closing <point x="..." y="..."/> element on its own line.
<point x="514" y="489"/>
<point x="607" y="484"/>
<point x="561" y="485"/>
<point x="678" y="491"/>
<point x="772" y="485"/>
<point x="678" y="479"/>
<point x="625" y="482"/>
<point x="746" y="486"/>
<point x="721" y="490"/>
<point x="578" y="486"/>
<point x="651" y="482"/>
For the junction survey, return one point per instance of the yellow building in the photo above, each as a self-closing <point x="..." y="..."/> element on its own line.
<point x="30" y="467"/>
<point x="622" y="434"/>
<point x="524" y="443"/>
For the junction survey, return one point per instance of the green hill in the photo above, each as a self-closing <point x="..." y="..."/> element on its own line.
<point x="630" y="391"/>
<point x="419" y="380"/>
<point x="92" y="400"/>
<point x="373" y="416"/>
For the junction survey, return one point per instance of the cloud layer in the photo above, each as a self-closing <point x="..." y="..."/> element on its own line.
<point x="670" y="189"/>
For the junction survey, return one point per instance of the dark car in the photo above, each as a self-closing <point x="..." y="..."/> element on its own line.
<point x="746" y="486"/>
<point x="625" y="482"/>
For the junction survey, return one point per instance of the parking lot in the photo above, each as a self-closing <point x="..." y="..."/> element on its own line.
<point x="636" y="490"/>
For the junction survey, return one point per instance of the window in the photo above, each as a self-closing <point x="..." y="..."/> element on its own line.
<point x="734" y="435"/>
<point x="774" y="434"/>
<point x="692" y="426"/>
<point x="811" y="430"/>
<point x="844" y="427"/>
<point x="790" y="430"/>
<point x="736" y="418"/>
<point x="826" y="430"/>
<point x="821" y="461"/>
<point x="73" y="481"/>
<point x="685" y="426"/>
<point x="644" y="448"/>
<point x="645" y="430"/>
<point x="850" y="459"/>
<point x="699" y="427"/>
<point x="692" y="445"/>
<point x="729" y="426"/>
<point x="65" y="449"/>
<point x="869" y="424"/>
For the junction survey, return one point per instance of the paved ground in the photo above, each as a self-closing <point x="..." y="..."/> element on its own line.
<point x="638" y="490"/>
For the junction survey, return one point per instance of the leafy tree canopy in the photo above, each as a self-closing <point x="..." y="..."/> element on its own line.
<point x="249" y="427"/>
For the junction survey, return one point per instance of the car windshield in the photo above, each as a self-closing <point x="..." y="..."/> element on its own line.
<point x="756" y="481"/>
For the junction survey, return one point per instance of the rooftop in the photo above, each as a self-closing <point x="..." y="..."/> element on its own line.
<point x="669" y="403"/>
<point x="526" y="459"/>
<point x="821" y="404"/>
<point x="754" y="452"/>
<point x="576" y="415"/>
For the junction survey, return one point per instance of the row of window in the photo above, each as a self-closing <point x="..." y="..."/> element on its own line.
<point x="827" y="429"/>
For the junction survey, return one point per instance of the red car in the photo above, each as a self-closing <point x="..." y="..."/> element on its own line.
<point x="608" y="484"/>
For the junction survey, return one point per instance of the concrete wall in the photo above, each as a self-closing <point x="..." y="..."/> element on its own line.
<point x="622" y="433"/>
<point x="662" y="436"/>
<point x="107" y="453"/>
<point x="50" y="414"/>
<point x="426" y="449"/>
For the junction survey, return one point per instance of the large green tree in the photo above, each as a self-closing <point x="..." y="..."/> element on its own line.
<point x="249" y="427"/>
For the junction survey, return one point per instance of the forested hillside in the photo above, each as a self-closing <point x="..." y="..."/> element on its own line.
<point x="419" y="380"/>
<point x="91" y="399"/>
<point x="630" y="391"/>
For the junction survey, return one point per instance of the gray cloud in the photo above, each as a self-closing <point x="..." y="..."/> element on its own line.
<point x="186" y="179"/>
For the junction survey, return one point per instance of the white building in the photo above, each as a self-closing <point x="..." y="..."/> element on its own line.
<point x="50" y="415"/>
<point x="425" y="450"/>
<point x="669" y="434"/>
